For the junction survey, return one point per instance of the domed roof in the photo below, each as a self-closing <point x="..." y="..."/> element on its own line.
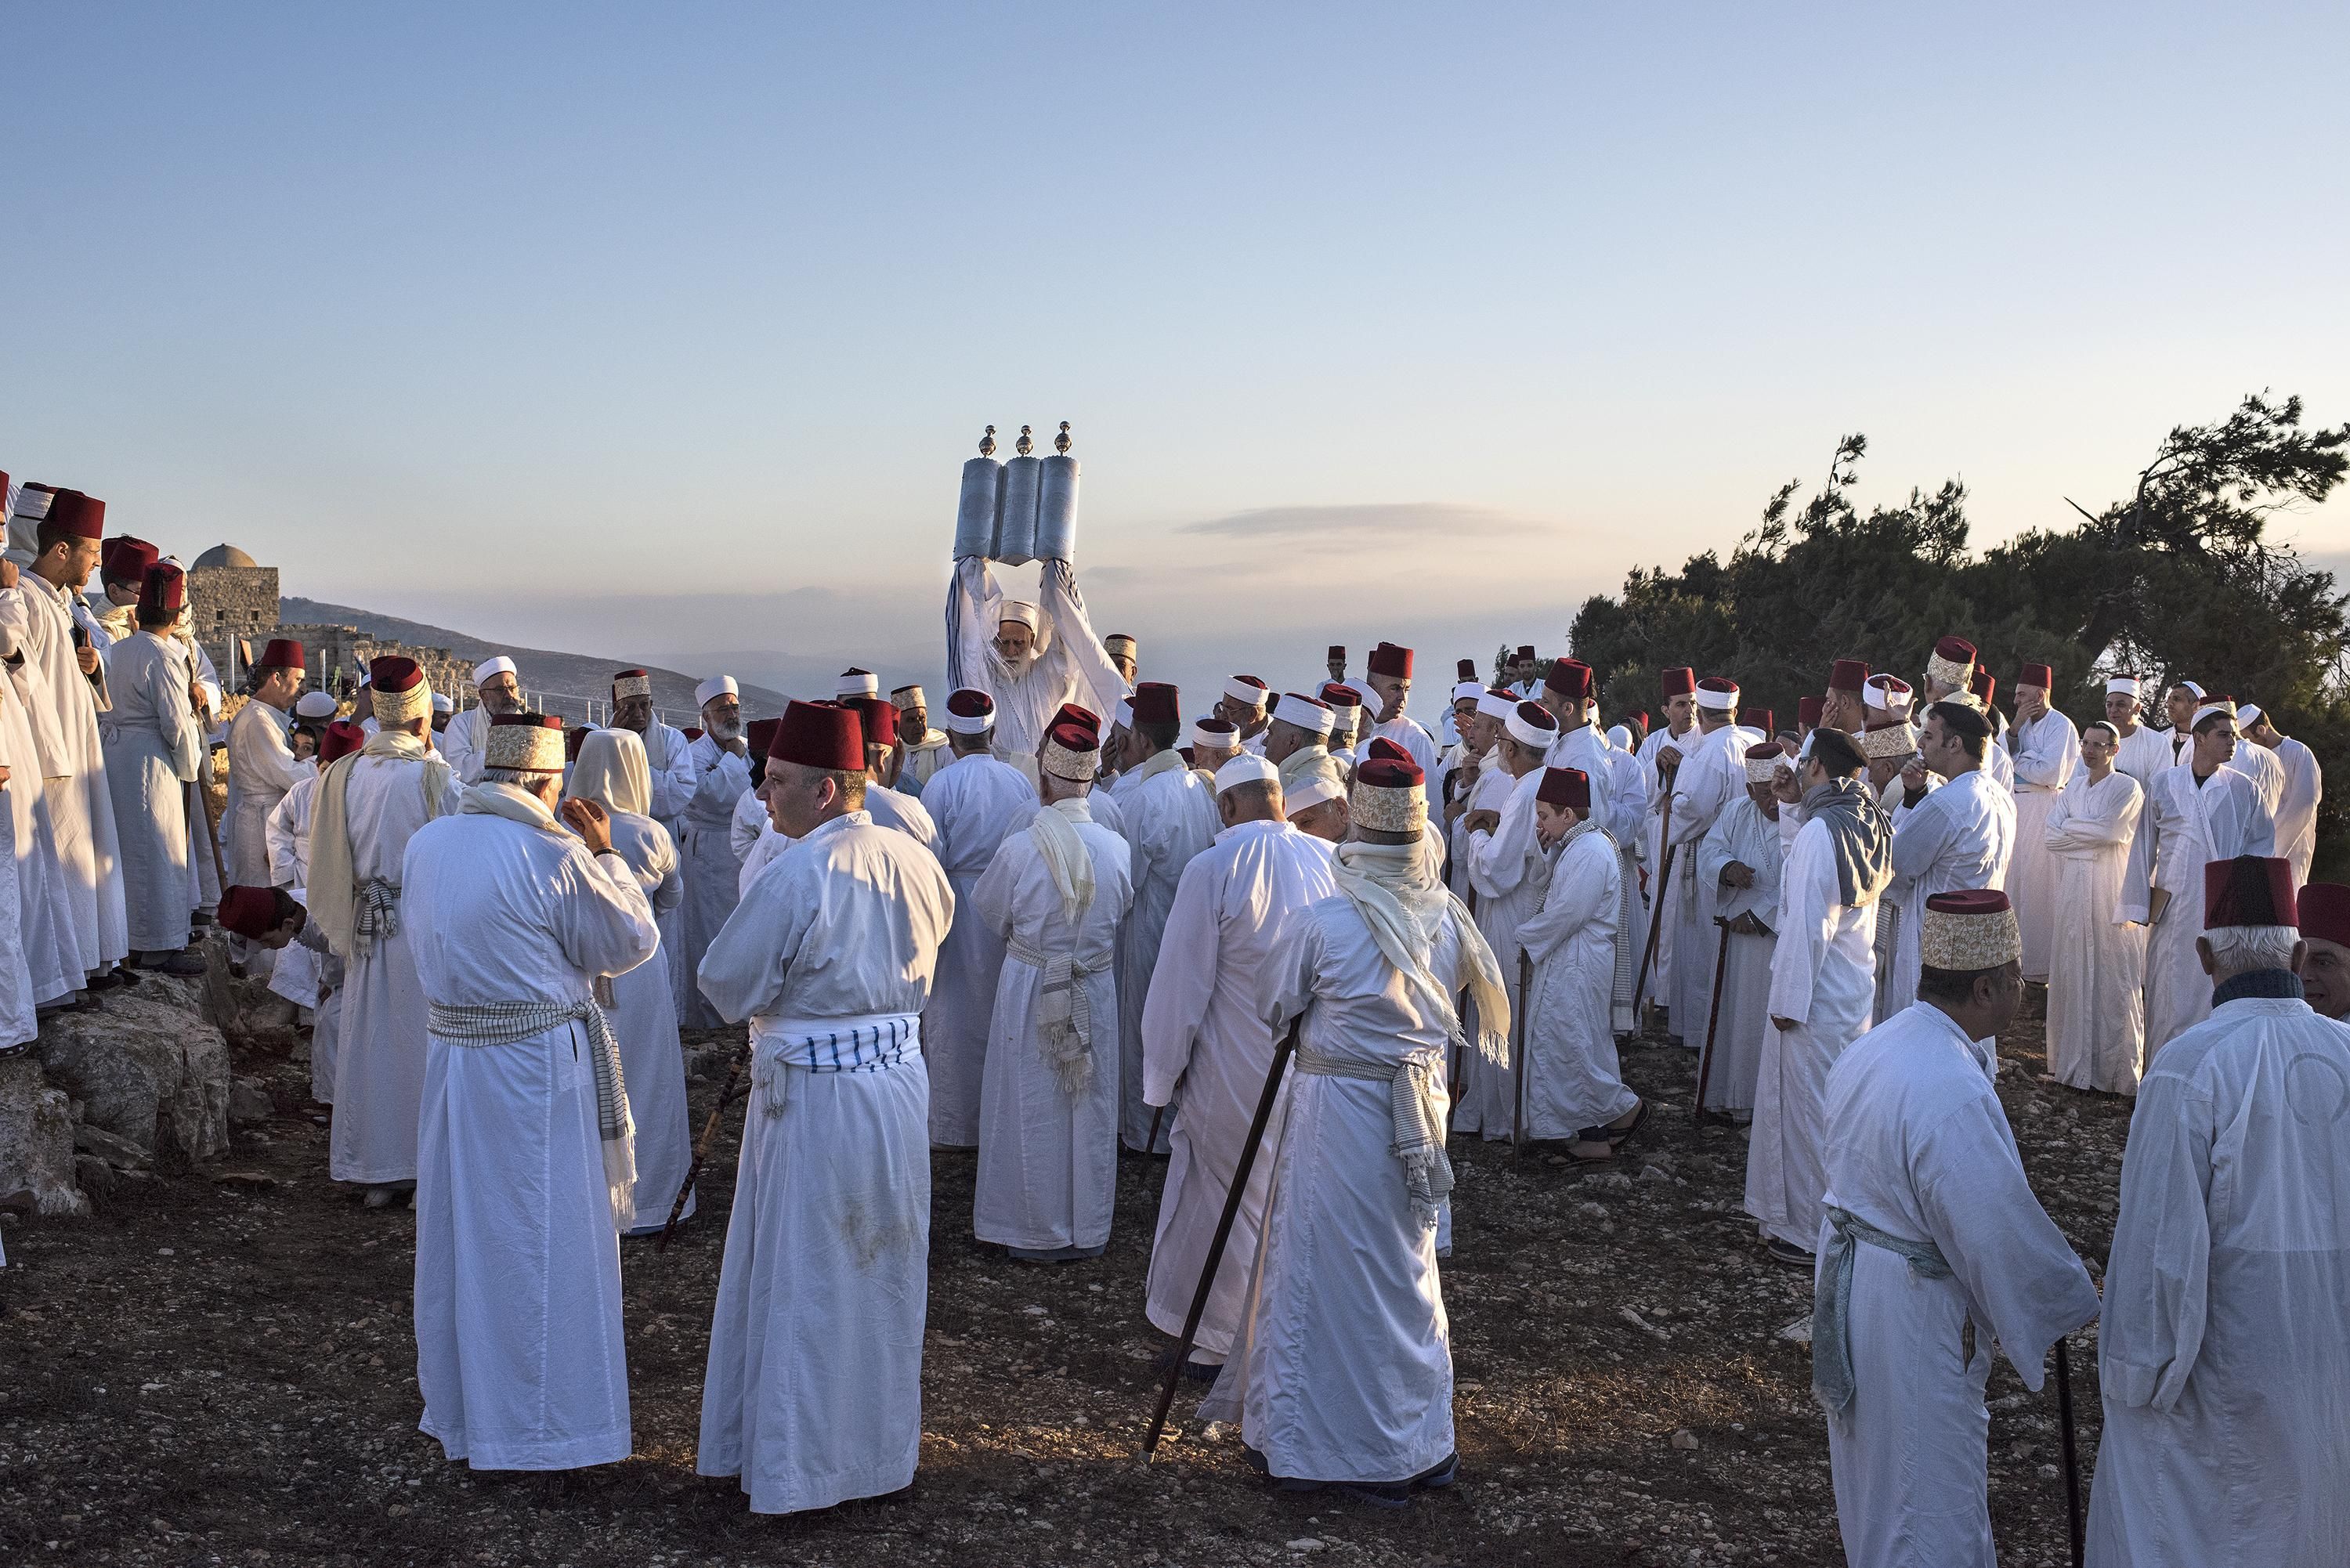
<point x="226" y="556"/>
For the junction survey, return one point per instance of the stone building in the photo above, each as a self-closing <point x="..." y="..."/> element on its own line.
<point x="337" y="658"/>
<point x="235" y="597"/>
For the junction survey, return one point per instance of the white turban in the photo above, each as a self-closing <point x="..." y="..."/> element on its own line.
<point x="1319" y="784"/>
<point x="717" y="686"/>
<point x="313" y="705"/>
<point x="1496" y="705"/>
<point x="1241" y="692"/>
<point x="1026" y="614"/>
<point x="442" y="704"/>
<point x="501" y="665"/>
<point x="2123" y="686"/>
<point x="1303" y="712"/>
<point x="1246" y="769"/>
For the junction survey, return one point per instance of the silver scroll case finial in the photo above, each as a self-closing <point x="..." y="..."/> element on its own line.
<point x="987" y="442"/>
<point x="1024" y="444"/>
<point x="1061" y="442"/>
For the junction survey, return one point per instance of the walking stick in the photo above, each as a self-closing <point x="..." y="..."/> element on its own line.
<point x="1656" y="914"/>
<point x="2072" y="1454"/>
<point x="701" y="1144"/>
<point x="1224" y="1233"/>
<point x="1705" y="1057"/>
<point x="1151" y="1143"/>
<point x="1518" y="1055"/>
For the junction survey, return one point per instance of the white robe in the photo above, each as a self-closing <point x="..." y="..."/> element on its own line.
<point x="744" y="825"/>
<point x="1742" y="834"/>
<point x="39" y="620"/>
<point x="975" y="802"/>
<point x="643" y="1019"/>
<point x="888" y="808"/>
<point x="712" y="870"/>
<point x="153" y="750"/>
<point x="2224" y="1357"/>
<point x="43" y="919"/>
<point x="460" y="744"/>
<point x="2046" y="754"/>
<point x="290" y="833"/>
<point x="814" y="1393"/>
<point x="669" y="757"/>
<point x="1823" y="978"/>
<point x="1664" y="911"/>
<point x="1961" y="836"/>
<point x="1573" y="1078"/>
<point x="1713" y="774"/>
<point x="2223" y="818"/>
<point x="1584" y="748"/>
<point x="1510" y="872"/>
<point x="1408" y="732"/>
<point x="19" y="989"/>
<point x="1165" y="820"/>
<point x="1068" y="663"/>
<point x="261" y="769"/>
<point x="2296" y="812"/>
<point x="2097" y="964"/>
<point x="520" y="1350"/>
<point x="1048" y="1157"/>
<point x="1919" y="1148"/>
<point x="1206" y="1050"/>
<point x="379" y="1075"/>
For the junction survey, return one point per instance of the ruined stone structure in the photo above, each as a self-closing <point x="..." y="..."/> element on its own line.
<point x="235" y="597"/>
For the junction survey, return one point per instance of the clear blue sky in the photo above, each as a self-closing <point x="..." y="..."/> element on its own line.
<point x="428" y="304"/>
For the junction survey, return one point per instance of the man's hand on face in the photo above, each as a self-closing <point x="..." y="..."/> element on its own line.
<point x="587" y="819"/>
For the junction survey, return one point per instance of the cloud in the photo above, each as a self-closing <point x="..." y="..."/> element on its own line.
<point x="1391" y="520"/>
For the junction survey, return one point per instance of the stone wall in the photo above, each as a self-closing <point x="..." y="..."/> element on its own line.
<point x="233" y="601"/>
<point x="338" y="654"/>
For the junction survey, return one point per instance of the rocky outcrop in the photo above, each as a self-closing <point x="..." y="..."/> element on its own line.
<point x="37" y="1143"/>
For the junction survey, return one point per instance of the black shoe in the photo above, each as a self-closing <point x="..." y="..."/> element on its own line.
<point x="1787" y="1253"/>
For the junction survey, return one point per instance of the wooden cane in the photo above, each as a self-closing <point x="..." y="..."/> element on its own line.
<point x="1224" y="1233"/>
<point x="701" y="1144"/>
<point x="1656" y="915"/>
<point x="211" y="814"/>
<point x="1151" y="1143"/>
<point x="1518" y="1055"/>
<point x="2072" y="1454"/>
<point x="1705" y="1057"/>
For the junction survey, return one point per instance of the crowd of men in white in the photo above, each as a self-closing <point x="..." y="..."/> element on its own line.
<point x="1043" y="935"/>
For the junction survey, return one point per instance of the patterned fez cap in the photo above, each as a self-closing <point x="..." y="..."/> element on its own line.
<point x="1969" y="930"/>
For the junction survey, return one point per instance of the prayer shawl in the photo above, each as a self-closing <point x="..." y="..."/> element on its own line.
<point x="1064" y="1017"/>
<point x="1300" y="762"/>
<point x="506" y="1023"/>
<point x="1403" y="906"/>
<point x="1859" y="838"/>
<point x="1832" y="1307"/>
<point x="336" y="903"/>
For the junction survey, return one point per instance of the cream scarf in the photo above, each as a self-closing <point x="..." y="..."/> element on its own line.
<point x="1167" y="761"/>
<point x="333" y="890"/>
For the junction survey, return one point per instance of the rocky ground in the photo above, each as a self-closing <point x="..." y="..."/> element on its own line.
<point x="219" y="1369"/>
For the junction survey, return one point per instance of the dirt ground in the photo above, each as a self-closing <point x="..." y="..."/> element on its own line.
<point x="220" y="1369"/>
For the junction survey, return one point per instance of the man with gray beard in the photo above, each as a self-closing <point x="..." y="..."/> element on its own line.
<point x="499" y="686"/>
<point x="713" y="872"/>
<point x="669" y="755"/>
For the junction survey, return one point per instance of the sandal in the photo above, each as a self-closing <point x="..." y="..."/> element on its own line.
<point x="1618" y="1134"/>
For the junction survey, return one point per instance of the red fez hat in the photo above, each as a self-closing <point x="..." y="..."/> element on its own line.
<point x="691" y="731"/>
<point x="1070" y="714"/>
<point x="1679" y="681"/>
<point x="2249" y="890"/>
<point x="761" y="736"/>
<point x="1526" y="651"/>
<point x="1157" y="702"/>
<point x="285" y="653"/>
<point x="1465" y="670"/>
<point x="163" y="591"/>
<point x="126" y="559"/>
<point x="1571" y="679"/>
<point x="966" y="703"/>
<point x="1849" y="675"/>
<point x="1385" y="751"/>
<point x="1386" y="658"/>
<point x="2324" y="909"/>
<point x="1390" y="773"/>
<point x="1984" y="685"/>
<point x="250" y="912"/>
<point x="340" y="739"/>
<point x="1338" y="694"/>
<point x="390" y="673"/>
<point x="2038" y="675"/>
<point x="825" y="735"/>
<point x="82" y="516"/>
<point x="878" y="717"/>
<point x="1074" y="737"/>
<point x="1807" y="711"/>
<point x="1565" y="787"/>
<point x="1760" y="719"/>
<point x="1766" y="751"/>
<point x="1339" y="651"/>
<point x="1957" y="649"/>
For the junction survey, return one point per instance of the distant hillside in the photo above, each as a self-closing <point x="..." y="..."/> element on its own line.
<point x="545" y="673"/>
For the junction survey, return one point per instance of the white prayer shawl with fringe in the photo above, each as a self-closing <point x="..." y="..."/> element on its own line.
<point x="335" y="896"/>
<point x="1064" y="1019"/>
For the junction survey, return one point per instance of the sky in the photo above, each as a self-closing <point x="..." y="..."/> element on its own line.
<point x="664" y="332"/>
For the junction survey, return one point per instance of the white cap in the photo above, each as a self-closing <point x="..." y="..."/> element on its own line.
<point x="1524" y="730"/>
<point x="1246" y="768"/>
<point x="313" y="705"/>
<point x="2208" y="709"/>
<point x="2124" y="686"/>
<point x="1240" y="690"/>
<point x="717" y="686"/>
<point x="1015" y="609"/>
<point x="1224" y="738"/>
<point x="1619" y="737"/>
<point x="1720" y="701"/>
<point x="1304" y="712"/>
<point x="1887" y="693"/>
<point x="1468" y="691"/>
<point x="501" y="665"/>
<point x="855" y="682"/>
<point x="1319" y="784"/>
<point x="2247" y="715"/>
<point x="1496" y="705"/>
<point x="2192" y="686"/>
<point x="968" y="724"/>
<point x="441" y="703"/>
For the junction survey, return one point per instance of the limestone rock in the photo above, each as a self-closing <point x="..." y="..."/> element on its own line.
<point x="147" y="1067"/>
<point x="249" y="1103"/>
<point x="36" y="1145"/>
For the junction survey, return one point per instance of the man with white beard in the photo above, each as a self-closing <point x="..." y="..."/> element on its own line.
<point x="152" y="749"/>
<point x="1508" y="872"/>
<point x="669" y="755"/>
<point x="261" y="765"/>
<point x="1048" y="1111"/>
<point x="2304" y="786"/>
<point x="1390" y="679"/>
<point x="712" y="871"/>
<point x="1953" y="838"/>
<point x="1740" y="859"/>
<point x="1166" y="815"/>
<point x="921" y="751"/>
<point x="814" y="1393"/>
<point x="1206" y="1046"/>
<point x="975" y="801"/>
<point x="1711" y="774"/>
<point x="498" y="684"/>
<point x="37" y="621"/>
<point x="2046" y="751"/>
<point x="521" y="1353"/>
<point x="2224" y="1355"/>
<point x="1932" y="1243"/>
<point x="369" y="807"/>
<point x="1343" y="1375"/>
<point x="2204" y="810"/>
<point x="1028" y="657"/>
<point x="1822" y="987"/>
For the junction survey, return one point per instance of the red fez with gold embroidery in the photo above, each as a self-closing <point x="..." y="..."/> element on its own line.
<point x="825" y="735"/>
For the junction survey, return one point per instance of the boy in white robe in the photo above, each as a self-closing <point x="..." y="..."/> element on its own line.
<point x="308" y="973"/>
<point x="1573" y="1083"/>
<point x="152" y="748"/>
<point x="526" y="1168"/>
<point x="1508" y="872"/>
<point x="1344" y="1372"/>
<point x="1206" y="1046"/>
<point x="2046" y="750"/>
<point x="2224" y="1356"/>
<point x="1048" y="1105"/>
<point x="2097" y="967"/>
<point x="1741" y="860"/>
<point x="1823" y="988"/>
<point x="814" y="1393"/>
<point x="1932" y="1250"/>
<point x="1956" y="838"/>
<point x="1166" y="815"/>
<point x="1570" y="690"/>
